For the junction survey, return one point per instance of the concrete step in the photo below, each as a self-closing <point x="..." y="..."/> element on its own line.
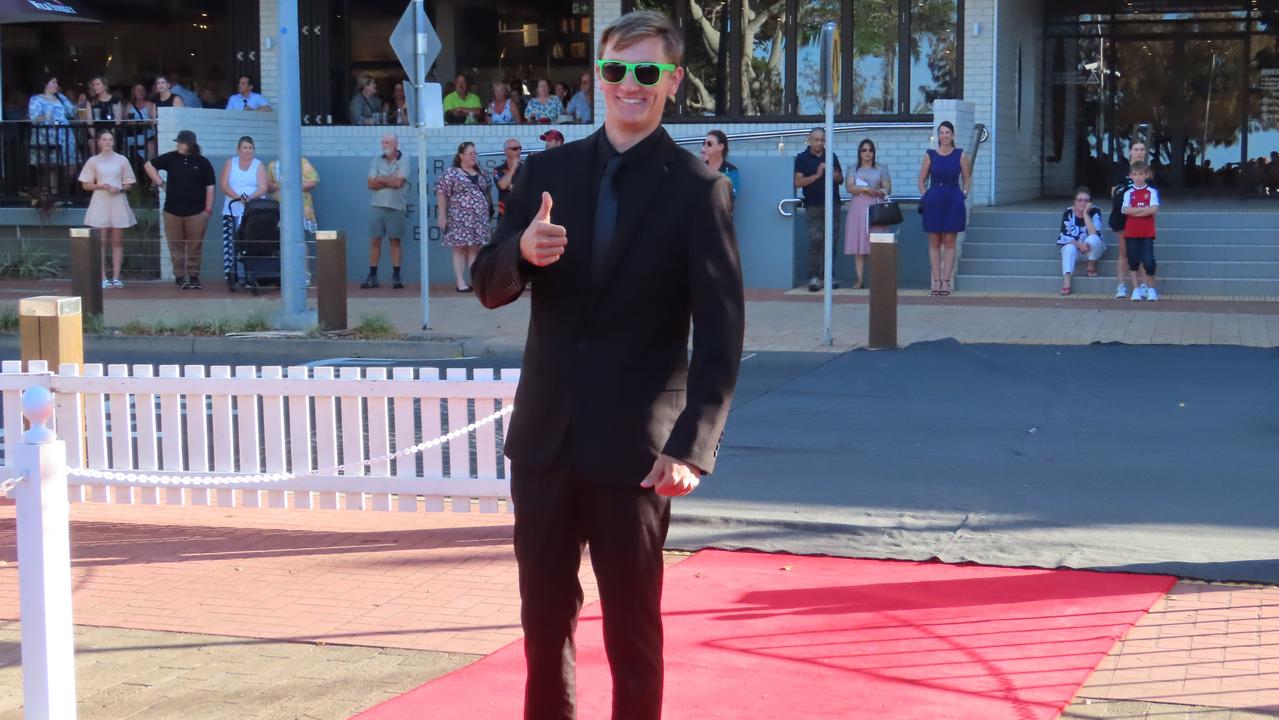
<point x="1047" y="233"/>
<point x="1051" y="267"/>
<point x="1168" y="286"/>
<point x="1264" y="217"/>
<point x="984" y="249"/>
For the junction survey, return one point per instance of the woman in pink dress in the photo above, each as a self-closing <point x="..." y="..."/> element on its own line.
<point x="108" y="176"/>
<point x="868" y="184"/>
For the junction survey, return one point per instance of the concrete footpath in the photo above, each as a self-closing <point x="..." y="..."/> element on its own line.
<point x="776" y="320"/>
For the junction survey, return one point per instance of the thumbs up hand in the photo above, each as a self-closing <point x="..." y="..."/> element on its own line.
<point x="543" y="243"/>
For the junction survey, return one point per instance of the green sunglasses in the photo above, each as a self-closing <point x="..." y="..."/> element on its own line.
<point x="647" y="74"/>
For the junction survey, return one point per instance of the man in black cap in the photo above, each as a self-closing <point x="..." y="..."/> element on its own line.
<point x="188" y="203"/>
<point x="552" y="138"/>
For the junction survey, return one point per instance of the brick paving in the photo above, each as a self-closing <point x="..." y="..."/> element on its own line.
<point x="444" y="582"/>
<point x="1212" y="645"/>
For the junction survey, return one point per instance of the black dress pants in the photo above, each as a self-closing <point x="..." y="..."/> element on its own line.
<point x="558" y="511"/>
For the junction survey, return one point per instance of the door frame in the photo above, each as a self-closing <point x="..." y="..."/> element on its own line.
<point x="1177" y="130"/>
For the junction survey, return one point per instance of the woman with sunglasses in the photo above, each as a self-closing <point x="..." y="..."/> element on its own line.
<point x="1080" y="235"/>
<point x="715" y="155"/>
<point x="543" y="107"/>
<point x="868" y="184"/>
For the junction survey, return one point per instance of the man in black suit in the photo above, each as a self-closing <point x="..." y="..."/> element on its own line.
<point x="625" y="238"/>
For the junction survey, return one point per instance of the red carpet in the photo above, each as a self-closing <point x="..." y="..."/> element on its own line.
<point x="750" y="636"/>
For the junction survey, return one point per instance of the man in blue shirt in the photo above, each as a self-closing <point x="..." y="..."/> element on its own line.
<point x="246" y="99"/>
<point x="810" y="171"/>
<point x="580" y="106"/>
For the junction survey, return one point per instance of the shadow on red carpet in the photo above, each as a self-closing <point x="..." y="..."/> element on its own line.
<point x="751" y="635"/>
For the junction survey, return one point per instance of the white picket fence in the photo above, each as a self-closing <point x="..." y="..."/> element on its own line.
<point x="229" y="425"/>
<point x="361" y="440"/>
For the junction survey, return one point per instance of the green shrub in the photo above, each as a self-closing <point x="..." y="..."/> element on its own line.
<point x="29" y="263"/>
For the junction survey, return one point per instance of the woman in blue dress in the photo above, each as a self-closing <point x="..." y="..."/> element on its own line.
<point x="52" y="143"/>
<point x="949" y="175"/>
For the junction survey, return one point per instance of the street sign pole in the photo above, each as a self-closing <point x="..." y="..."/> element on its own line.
<point x="830" y="91"/>
<point x="416" y="46"/>
<point x="423" y="216"/>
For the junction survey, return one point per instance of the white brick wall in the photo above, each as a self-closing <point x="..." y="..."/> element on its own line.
<point x="979" y="57"/>
<point x="219" y="130"/>
<point x="268" y="24"/>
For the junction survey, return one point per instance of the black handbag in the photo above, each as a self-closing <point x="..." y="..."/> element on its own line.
<point x="884" y="213"/>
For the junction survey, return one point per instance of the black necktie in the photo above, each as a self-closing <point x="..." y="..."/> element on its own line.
<point x="605" y="217"/>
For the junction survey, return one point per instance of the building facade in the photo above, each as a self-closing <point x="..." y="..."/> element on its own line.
<point x="1057" y="90"/>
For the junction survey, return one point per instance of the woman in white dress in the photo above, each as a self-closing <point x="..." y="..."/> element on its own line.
<point x="243" y="179"/>
<point x="108" y="176"/>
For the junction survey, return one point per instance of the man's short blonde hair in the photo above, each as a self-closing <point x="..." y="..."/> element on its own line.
<point x="637" y="26"/>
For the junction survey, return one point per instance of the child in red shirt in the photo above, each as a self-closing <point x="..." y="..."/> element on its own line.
<point x="1141" y="202"/>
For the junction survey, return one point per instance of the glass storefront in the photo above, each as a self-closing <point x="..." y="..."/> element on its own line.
<point x="760" y="59"/>
<point x="518" y="42"/>
<point x="1199" y="86"/>
<point x="136" y="42"/>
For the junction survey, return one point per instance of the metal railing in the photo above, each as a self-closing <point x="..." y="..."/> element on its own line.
<point x="40" y="164"/>
<point x="981" y="134"/>
<point x="790" y="132"/>
<point x="801" y="132"/>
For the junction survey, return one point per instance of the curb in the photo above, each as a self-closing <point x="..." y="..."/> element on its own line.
<point x="278" y="350"/>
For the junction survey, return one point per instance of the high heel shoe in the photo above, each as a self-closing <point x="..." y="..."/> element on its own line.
<point x="936" y="287"/>
<point x="945" y="288"/>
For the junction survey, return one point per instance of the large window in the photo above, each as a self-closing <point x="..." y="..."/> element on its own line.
<point x="761" y="58"/>
<point x="516" y="43"/>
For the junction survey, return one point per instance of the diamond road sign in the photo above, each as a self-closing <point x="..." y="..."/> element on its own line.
<point x="402" y="41"/>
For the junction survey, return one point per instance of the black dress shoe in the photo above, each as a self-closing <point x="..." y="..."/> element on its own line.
<point x="466" y="289"/>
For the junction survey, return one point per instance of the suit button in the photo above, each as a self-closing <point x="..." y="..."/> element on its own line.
<point x="581" y="344"/>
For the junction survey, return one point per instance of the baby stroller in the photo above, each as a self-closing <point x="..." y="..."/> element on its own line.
<point x="257" y="244"/>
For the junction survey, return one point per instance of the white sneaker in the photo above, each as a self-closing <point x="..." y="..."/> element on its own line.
<point x="118" y="283"/>
<point x="1151" y="295"/>
<point x="106" y="285"/>
<point x="1138" y="294"/>
<point x="1121" y="292"/>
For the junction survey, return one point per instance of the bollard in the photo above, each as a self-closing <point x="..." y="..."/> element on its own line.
<point x="44" y="566"/>
<point x="86" y="269"/>
<point x="330" y="280"/>
<point x="883" y="290"/>
<point x="50" y="328"/>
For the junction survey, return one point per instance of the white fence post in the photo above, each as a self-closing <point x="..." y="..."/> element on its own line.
<point x="44" y="566"/>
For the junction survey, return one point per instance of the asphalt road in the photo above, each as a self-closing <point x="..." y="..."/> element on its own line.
<point x="1106" y="456"/>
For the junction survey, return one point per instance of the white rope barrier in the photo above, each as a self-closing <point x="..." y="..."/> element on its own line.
<point x="268" y="478"/>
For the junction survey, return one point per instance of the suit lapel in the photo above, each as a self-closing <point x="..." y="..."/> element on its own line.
<point x="642" y="185"/>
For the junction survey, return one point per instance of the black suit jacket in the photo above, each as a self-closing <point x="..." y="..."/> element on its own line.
<point x="607" y="378"/>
